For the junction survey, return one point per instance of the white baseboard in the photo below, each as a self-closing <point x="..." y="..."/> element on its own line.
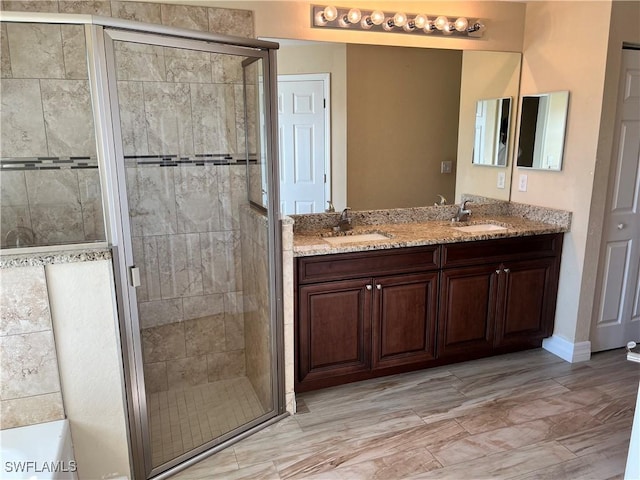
<point x="571" y="352"/>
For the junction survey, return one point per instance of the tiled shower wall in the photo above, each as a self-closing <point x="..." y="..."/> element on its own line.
<point x="258" y="334"/>
<point x="183" y="129"/>
<point x="191" y="297"/>
<point x="46" y="116"/>
<point x="49" y="183"/>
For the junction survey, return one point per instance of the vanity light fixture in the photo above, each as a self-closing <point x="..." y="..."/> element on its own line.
<point x="331" y="16"/>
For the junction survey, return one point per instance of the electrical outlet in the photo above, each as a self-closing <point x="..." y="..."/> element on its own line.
<point x="522" y="183"/>
<point x="501" y="179"/>
<point x="445" y="167"/>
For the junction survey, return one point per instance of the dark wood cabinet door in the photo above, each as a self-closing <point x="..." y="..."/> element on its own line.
<point x="404" y="319"/>
<point x="526" y="306"/>
<point x="334" y="329"/>
<point x="467" y="311"/>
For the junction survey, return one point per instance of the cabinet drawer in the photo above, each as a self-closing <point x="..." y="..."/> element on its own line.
<point x="366" y="264"/>
<point x="500" y="250"/>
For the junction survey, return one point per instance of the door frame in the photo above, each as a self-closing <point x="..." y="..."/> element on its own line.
<point x="100" y="40"/>
<point x="325" y="78"/>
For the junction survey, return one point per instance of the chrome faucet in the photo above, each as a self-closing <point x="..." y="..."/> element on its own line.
<point x="463" y="213"/>
<point x="344" y="223"/>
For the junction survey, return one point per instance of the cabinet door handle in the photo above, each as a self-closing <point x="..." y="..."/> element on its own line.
<point x="379" y="287"/>
<point x="369" y="287"/>
<point x="507" y="270"/>
<point x="498" y="272"/>
<point x="621" y="226"/>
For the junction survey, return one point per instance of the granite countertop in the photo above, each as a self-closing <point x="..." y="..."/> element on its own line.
<point x="425" y="226"/>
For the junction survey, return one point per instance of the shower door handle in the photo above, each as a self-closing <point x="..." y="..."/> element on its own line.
<point x="134" y="276"/>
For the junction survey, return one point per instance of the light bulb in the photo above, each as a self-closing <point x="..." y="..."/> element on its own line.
<point x="330" y="13"/>
<point x="449" y="28"/>
<point x="377" y="17"/>
<point x="319" y="19"/>
<point x="461" y="24"/>
<point x="428" y="27"/>
<point x="388" y="24"/>
<point x="441" y="22"/>
<point x="420" y="21"/>
<point x="366" y="23"/>
<point x="400" y="19"/>
<point x="354" y="15"/>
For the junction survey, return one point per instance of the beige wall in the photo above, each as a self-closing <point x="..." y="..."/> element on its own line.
<point x="291" y="19"/>
<point x="326" y="58"/>
<point x="560" y="54"/>
<point x="396" y="143"/>
<point x="485" y="75"/>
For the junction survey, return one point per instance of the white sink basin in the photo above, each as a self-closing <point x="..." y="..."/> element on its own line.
<point x="480" y="227"/>
<point x="364" y="237"/>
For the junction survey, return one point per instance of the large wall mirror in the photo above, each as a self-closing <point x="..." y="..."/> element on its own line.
<point x="403" y="119"/>
<point x="491" y="142"/>
<point x="543" y="120"/>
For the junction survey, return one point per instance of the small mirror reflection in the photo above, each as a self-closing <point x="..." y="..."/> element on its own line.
<point x="491" y="143"/>
<point x="542" y="130"/>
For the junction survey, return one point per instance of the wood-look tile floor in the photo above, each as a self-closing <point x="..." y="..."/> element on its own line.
<point x="525" y="415"/>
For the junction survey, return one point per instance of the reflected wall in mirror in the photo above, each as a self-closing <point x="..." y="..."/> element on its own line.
<point x="491" y="142"/>
<point x="484" y="75"/>
<point x="543" y="120"/>
<point x="388" y="165"/>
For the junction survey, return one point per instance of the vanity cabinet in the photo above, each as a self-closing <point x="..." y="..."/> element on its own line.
<point x="367" y="314"/>
<point x="505" y="302"/>
<point x="379" y="318"/>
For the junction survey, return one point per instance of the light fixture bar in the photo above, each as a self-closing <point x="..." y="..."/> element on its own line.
<point x="330" y="16"/>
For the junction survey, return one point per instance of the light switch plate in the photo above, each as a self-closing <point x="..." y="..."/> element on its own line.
<point x="446" y="166"/>
<point x="522" y="183"/>
<point x="501" y="179"/>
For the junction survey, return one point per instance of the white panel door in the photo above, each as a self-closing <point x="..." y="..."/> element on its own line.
<point x="617" y="318"/>
<point x="302" y="137"/>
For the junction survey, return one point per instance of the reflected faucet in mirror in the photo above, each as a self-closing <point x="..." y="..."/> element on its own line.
<point x="441" y="201"/>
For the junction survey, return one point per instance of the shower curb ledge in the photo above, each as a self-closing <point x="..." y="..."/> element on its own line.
<point x="49" y="258"/>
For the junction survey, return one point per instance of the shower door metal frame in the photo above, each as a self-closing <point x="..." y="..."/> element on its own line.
<point x="138" y="408"/>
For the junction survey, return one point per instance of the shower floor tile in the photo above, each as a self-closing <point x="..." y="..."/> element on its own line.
<point x="180" y="420"/>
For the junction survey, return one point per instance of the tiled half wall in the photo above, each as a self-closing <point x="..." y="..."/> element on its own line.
<point x="30" y="388"/>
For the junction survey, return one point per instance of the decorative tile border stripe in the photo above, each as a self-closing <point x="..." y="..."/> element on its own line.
<point x="48" y="163"/>
<point x="199" y="159"/>
<point x="61" y="163"/>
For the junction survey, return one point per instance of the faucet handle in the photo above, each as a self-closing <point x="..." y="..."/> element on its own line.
<point x="330" y="208"/>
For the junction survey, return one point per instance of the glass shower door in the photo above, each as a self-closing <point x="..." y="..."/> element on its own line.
<point x="201" y="275"/>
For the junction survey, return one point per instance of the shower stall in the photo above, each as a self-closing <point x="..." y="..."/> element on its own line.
<point x="160" y="141"/>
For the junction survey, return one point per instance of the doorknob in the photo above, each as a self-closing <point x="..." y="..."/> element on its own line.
<point x="621" y="226"/>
